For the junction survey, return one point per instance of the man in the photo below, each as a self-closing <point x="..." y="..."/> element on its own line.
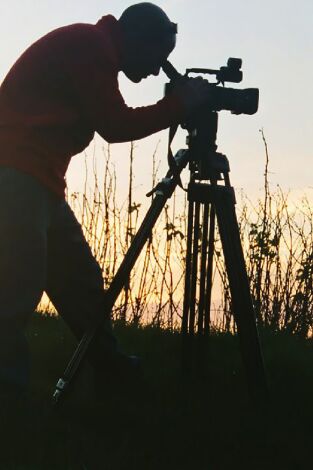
<point x="60" y="92"/>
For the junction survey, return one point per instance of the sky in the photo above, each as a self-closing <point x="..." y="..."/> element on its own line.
<point x="274" y="38"/>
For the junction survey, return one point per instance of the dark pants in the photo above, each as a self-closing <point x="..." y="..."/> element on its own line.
<point x="42" y="248"/>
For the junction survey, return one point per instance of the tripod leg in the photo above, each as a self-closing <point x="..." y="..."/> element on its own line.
<point x="202" y="307"/>
<point x="203" y="268"/>
<point x="185" y="321"/>
<point x="194" y="269"/>
<point x="240" y="292"/>
<point x="209" y="272"/>
<point x="165" y="191"/>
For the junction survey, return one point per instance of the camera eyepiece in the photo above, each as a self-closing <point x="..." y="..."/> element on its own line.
<point x="170" y="71"/>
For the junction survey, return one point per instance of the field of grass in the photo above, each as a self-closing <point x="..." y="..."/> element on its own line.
<point x="203" y="423"/>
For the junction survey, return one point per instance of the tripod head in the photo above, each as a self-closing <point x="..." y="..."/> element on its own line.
<point x="202" y="125"/>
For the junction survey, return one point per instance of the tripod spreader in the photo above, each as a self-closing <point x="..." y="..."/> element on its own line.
<point x="204" y="193"/>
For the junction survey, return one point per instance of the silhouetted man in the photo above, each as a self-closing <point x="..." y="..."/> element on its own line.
<point x="61" y="91"/>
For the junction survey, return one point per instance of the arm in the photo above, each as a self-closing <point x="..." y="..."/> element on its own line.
<point x="121" y="123"/>
<point x="103" y="105"/>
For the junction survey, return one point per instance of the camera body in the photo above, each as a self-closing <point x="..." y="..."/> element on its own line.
<point x="238" y="101"/>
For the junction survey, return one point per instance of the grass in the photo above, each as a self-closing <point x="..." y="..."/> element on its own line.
<point x="276" y="234"/>
<point x="206" y="422"/>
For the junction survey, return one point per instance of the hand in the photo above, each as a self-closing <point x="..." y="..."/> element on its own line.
<point x="193" y="93"/>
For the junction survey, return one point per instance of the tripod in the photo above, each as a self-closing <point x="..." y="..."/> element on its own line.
<point x="218" y="201"/>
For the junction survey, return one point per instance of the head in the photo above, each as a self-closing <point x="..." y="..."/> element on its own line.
<point x="148" y="39"/>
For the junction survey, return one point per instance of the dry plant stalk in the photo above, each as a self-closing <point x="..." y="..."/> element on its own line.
<point x="277" y="241"/>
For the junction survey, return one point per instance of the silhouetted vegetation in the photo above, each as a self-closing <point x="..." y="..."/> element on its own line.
<point x="277" y="238"/>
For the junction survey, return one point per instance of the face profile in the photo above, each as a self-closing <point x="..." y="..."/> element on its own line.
<point x="148" y="39"/>
<point x="148" y="59"/>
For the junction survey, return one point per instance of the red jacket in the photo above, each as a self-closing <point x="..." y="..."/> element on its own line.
<point x="60" y="92"/>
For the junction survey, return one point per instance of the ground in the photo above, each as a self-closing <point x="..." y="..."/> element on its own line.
<point x="202" y="421"/>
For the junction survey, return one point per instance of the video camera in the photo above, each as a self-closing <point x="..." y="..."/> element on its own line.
<point x="235" y="100"/>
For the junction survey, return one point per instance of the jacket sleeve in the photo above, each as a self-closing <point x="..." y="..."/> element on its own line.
<point x="102" y="104"/>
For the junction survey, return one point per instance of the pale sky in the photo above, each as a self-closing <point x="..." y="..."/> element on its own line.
<point x="273" y="37"/>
